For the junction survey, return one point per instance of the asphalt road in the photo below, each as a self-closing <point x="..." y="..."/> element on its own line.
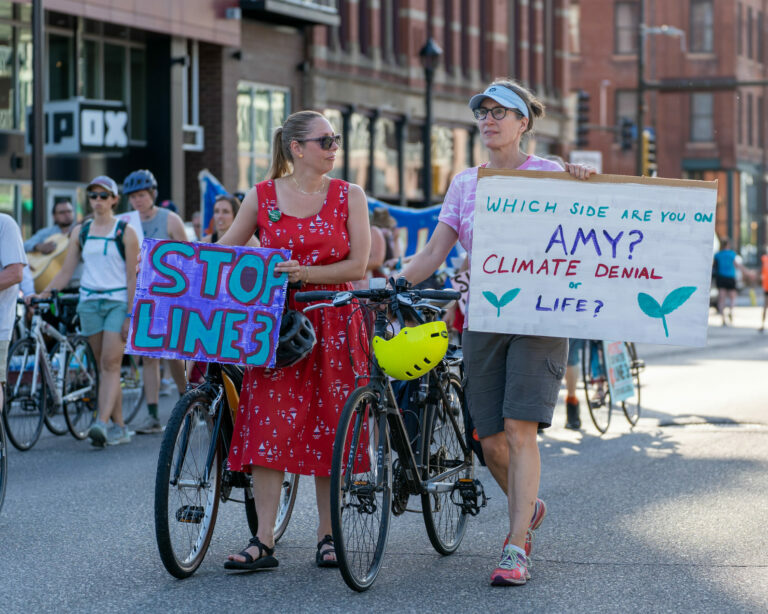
<point x="668" y="517"/>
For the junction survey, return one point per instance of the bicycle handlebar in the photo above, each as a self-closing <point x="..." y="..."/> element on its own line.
<point x="380" y="295"/>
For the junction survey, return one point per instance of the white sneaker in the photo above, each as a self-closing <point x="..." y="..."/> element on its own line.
<point x="97" y="433"/>
<point x="149" y="426"/>
<point x="117" y="435"/>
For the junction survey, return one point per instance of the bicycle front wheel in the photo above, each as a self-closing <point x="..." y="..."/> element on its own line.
<point x="23" y="411"/>
<point x="131" y="386"/>
<point x="187" y="485"/>
<point x="81" y="388"/>
<point x="287" y="501"/>
<point x="631" y="406"/>
<point x="3" y="463"/>
<point x="53" y="414"/>
<point x="596" y="388"/>
<point x="361" y="489"/>
<point x="445" y="521"/>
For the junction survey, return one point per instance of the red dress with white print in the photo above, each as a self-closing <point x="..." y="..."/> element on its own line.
<point x="287" y="417"/>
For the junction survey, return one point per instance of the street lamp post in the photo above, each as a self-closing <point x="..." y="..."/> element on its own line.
<point x="38" y="117"/>
<point x="430" y="58"/>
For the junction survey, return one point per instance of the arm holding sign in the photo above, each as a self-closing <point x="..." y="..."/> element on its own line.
<point x="131" y="241"/>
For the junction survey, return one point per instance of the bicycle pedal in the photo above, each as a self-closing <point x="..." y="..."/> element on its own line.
<point x="192" y="514"/>
<point x="471" y="496"/>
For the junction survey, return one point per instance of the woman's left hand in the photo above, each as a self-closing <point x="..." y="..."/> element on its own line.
<point x="579" y="171"/>
<point x="292" y="268"/>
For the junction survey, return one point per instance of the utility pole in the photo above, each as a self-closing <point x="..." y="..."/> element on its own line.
<point x="640" y="88"/>
<point x="38" y="116"/>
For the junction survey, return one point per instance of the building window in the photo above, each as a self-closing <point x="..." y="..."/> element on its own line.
<point x="750" y="34"/>
<point x="448" y="35"/>
<point x="574" y="20"/>
<point x="760" y="56"/>
<point x="386" y="183"/>
<point x="60" y="68"/>
<point x="364" y="27"/>
<point x="414" y="162"/>
<point x="336" y="120"/>
<point x="626" y="20"/>
<point x="260" y="109"/>
<point x="138" y="94"/>
<point x="760" y="125"/>
<point x="626" y="108"/>
<point x="702" y="26"/>
<point x="750" y="124"/>
<point x="114" y="72"/>
<point x="359" y="142"/>
<point x="739" y="29"/>
<point x="702" y="125"/>
<point x="465" y="39"/>
<point x="739" y="119"/>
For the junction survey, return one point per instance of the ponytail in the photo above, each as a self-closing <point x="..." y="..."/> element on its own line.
<point x="281" y="165"/>
<point x="295" y="128"/>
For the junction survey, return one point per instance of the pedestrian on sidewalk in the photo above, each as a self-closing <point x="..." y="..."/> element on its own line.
<point x="12" y="262"/>
<point x="157" y="223"/>
<point x="109" y="249"/>
<point x="507" y="404"/>
<point x="726" y="262"/>
<point x="288" y="416"/>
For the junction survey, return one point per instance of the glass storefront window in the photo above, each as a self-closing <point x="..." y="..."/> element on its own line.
<point x="414" y="162"/>
<point x="337" y="122"/>
<point x="114" y="72"/>
<point x="359" y="141"/>
<point x="443" y="154"/>
<point x="6" y="10"/>
<point x="91" y="69"/>
<point x="7" y="199"/>
<point x="260" y="109"/>
<point x="138" y="102"/>
<point x="24" y="51"/>
<point x="7" y="59"/>
<point x="385" y="179"/>
<point x="60" y="69"/>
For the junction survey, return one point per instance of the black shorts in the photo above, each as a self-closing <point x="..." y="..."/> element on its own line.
<point x="726" y="283"/>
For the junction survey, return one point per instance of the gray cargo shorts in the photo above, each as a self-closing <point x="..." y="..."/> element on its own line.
<point x="511" y="376"/>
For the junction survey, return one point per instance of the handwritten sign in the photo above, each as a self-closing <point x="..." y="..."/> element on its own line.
<point x="617" y="362"/>
<point x="210" y="303"/>
<point x="610" y="258"/>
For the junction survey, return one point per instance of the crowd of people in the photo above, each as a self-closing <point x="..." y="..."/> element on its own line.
<point x="512" y="381"/>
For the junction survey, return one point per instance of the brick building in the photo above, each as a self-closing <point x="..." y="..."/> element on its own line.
<point x="704" y="134"/>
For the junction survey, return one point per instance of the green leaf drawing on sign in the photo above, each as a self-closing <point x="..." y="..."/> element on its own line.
<point x="674" y="299"/>
<point x="506" y="298"/>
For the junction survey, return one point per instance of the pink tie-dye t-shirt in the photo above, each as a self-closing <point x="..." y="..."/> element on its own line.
<point x="458" y="210"/>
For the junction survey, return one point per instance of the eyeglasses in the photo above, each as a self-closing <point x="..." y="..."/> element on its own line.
<point x="326" y="142"/>
<point x="498" y="113"/>
<point x="99" y="195"/>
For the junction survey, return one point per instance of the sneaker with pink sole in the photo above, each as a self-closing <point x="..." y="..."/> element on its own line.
<point x="512" y="569"/>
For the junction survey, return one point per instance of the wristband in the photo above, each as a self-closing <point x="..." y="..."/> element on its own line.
<point x="128" y="316"/>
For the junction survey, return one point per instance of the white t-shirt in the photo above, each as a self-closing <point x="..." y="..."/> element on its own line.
<point x="11" y="252"/>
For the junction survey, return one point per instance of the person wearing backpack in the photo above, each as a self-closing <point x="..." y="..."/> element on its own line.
<point x="109" y="249"/>
<point x="157" y="223"/>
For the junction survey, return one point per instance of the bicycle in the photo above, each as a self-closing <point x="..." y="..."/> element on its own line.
<point x="596" y="372"/>
<point x="39" y="387"/>
<point x="191" y="476"/>
<point x="3" y="462"/>
<point x="131" y="386"/>
<point x="368" y="485"/>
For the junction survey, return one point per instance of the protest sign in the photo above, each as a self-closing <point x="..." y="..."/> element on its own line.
<point x="614" y="257"/>
<point x="207" y="302"/>
<point x="618" y="363"/>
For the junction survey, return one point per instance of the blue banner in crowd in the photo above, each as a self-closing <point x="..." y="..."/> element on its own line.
<point x="416" y="225"/>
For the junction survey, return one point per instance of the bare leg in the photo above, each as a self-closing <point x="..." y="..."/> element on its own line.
<point x="765" y="309"/>
<point x="151" y="379"/>
<point x="266" y="494"/>
<point x="323" y="496"/>
<point x="496" y="453"/>
<point x="111" y="356"/>
<point x="176" y="367"/>
<point x="523" y="474"/>
<point x="721" y="303"/>
<point x="571" y="379"/>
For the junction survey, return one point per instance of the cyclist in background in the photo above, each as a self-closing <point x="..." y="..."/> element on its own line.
<point x="506" y="403"/>
<point x="12" y="262"/>
<point x="157" y="223"/>
<point x="108" y="248"/>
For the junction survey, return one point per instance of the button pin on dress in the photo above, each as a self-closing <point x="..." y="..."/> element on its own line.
<point x="274" y="215"/>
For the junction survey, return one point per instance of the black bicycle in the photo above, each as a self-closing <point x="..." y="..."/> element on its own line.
<point x="191" y="476"/>
<point x="379" y="461"/>
<point x="595" y="371"/>
<point x="3" y="463"/>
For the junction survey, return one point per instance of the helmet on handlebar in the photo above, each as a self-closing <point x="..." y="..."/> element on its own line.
<point x="297" y="338"/>
<point x="413" y="351"/>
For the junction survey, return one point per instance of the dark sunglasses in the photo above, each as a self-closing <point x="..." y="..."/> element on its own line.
<point x="326" y="142"/>
<point x="99" y="195"/>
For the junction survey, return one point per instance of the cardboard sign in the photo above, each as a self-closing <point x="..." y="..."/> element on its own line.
<point x="619" y="373"/>
<point x="614" y="257"/>
<point x="207" y="302"/>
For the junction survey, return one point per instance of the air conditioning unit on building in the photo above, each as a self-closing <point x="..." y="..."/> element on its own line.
<point x="193" y="138"/>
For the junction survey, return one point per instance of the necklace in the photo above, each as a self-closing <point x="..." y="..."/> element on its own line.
<point x="298" y="187"/>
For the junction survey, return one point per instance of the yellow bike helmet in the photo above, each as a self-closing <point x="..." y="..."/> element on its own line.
<point x="413" y="351"/>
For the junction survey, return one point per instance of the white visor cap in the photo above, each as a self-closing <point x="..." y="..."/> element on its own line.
<point x="504" y="96"/>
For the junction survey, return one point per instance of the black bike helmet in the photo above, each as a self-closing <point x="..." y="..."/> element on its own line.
<point x="139" y="180"/>
<point x="297" y="338"/>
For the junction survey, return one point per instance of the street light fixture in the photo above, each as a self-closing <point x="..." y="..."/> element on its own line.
<point x="429" y="56"/>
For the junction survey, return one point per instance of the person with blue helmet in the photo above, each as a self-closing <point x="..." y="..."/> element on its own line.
<point x="157" y="223"/>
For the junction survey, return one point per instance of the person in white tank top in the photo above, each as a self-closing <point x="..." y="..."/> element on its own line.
<point x="106" y="290"/>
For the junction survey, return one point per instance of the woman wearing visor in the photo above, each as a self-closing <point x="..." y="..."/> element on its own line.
<point x="512" y="380"/>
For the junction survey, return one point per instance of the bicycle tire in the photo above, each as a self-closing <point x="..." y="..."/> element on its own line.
<point x="287" y="501"/>
<point x="358" y="493"/>
<point x="445" y="521"/>
<point x="631" y="406"/>
<point x="131" y="387"/>
<point x="81" y="413"/>
<point x="3" y="464"/>
<point x="185" y="514"/>
<point x="23" y="411"/>
<point x="53" y="414"/>
<point x="596" y="389"/>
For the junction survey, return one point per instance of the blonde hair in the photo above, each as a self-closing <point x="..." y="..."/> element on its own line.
<point x="295" y="128"/>
<point x="535" y="106"/>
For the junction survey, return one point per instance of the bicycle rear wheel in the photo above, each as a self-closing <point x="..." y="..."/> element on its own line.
<point x="81" y="379"/>
<point x="23" y="410"/>
<point x="361" y="489"/>
<point x="631" y="406"/>
<point x="445" y="521"/>
<point x="186" y="500"/>
<point x="287" y="501"/>
<point x="132" y="387"/>
<point x="596" y="387"/>
<point x="3" y="463"/>
<point x="53" y="414"/>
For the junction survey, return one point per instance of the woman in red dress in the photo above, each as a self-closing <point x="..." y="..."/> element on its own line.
<point x="287" y="417"/>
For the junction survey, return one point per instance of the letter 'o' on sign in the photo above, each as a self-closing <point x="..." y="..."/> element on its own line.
<point x="92" y="127"/>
